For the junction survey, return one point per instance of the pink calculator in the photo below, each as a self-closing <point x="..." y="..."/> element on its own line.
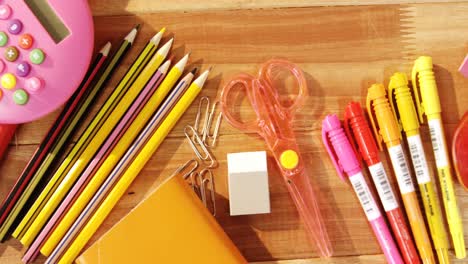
<point x="45" y="50"/>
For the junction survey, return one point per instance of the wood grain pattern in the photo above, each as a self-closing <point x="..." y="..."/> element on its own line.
<point x="342" y="50"/>
<point x="112" y="7"/>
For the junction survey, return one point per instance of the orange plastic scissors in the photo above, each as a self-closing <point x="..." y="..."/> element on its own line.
<point x="274" y="124"/>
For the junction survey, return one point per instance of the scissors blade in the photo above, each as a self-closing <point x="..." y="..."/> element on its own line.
<point x="304" y="198"/>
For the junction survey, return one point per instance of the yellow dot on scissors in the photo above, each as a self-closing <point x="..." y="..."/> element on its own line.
<point x="289" y="159"/>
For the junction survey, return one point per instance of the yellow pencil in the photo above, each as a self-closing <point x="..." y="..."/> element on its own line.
<point x="114" y="157"/>
<point x="134" y="168"/>
<point x="93" y="146"/>
<point x="121" y="166"/>
<point x="92" y="129"/>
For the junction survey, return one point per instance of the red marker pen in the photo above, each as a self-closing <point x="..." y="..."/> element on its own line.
<point x="360" y="134"/>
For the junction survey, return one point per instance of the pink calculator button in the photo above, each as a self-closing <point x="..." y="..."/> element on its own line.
<point x="33" y="84"/>
<point x="5" y="12"/>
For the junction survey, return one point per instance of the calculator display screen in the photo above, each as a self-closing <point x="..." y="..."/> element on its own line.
<point x="49" y="19"/>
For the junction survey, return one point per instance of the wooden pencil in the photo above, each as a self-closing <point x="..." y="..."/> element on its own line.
<point x="86" y="137"/>
<point x="51" y="157"/>
<point x="118" y="152"/>
<point x="53" y="132"/>
<point x="98" y="159"/>
<point x="145" y="146"/>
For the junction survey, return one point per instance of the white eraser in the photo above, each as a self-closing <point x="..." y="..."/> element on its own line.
<point x="248" y="183"/>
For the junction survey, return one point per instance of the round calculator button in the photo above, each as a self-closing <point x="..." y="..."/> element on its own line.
<point x="37" y="56"/>
<point x="8" y="81"/>
<point x="15" y="26"/>
<point x="23" y="69"/>
<point x="26" y="41"/>
<point x="20" y="97"/>
<point x="5" y="12"/>
<point x="3" y="39"/>
<point x="33" y="84"/>
<point x="11" y="54"/>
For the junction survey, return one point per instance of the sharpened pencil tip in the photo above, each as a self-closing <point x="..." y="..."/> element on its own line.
<point x="165" y="66"/>
<point x="200" y="81"/>
<point x="106" y="49"/>
<point x="181" y="64"/>
<point x="157" y="38"/>
<point x="137" y="27"/>
<point x="164" y="50"/>
<point x="132" y="35"/>
<point x="194" y="71"/>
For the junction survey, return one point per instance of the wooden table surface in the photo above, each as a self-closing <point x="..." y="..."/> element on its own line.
<point x="343" y="46"/>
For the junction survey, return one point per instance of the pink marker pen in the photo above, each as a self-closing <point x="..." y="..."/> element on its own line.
<point x="344" y="159"/>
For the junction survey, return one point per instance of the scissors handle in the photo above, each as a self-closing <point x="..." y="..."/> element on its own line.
<point x="267" y="72"/>
<point x="263" y="95"/>
<point x="245" y="81"/>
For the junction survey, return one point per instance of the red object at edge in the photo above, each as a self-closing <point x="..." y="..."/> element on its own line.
<point x="460" y="151"/>
<point x="6" y="133"/>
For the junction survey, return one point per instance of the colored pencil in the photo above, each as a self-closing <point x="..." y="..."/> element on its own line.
<point x="114" y="156"/>
<point x="53" y="133"/>
<point x="136" y="157"/>
<point x="96" y="123"/>
<point x="58" y="145"/>
<point x="14" y="204"/>
<point x="85" y="150"/>
<point x="98" y="159"/>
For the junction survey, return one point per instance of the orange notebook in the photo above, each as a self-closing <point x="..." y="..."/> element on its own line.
<point x="170" y="226"/>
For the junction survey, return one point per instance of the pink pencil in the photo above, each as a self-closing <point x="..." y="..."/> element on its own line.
<point x="96" y="162"/>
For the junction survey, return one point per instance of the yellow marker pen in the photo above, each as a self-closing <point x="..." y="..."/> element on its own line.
<point x="424" y="80"/>
<point x="379" y="108"/>
<point x="400" y="93"/>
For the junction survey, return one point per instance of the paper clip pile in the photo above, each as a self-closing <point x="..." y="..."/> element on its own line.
<point x="202" y="140"/>
<point x="202" y="137"/>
